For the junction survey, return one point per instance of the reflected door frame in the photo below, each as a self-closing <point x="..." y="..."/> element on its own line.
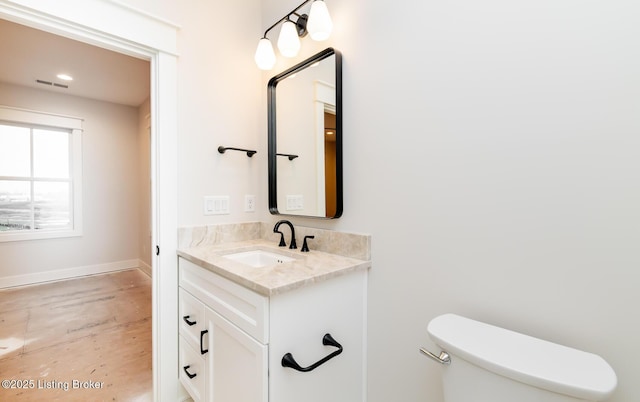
<point x="325" y="100"/>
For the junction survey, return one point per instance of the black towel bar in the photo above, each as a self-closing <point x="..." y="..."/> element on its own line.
<point x="290" y="156"/>
<point x="249" y="152"/>
<point x="289" y="361"/>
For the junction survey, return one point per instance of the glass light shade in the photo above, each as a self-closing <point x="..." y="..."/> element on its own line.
<point x="265" y="57"/>
<point x="319" y="25"/>
<point x="288" y="41"/>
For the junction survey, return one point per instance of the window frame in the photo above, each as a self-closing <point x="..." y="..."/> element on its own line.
<point x="36" y="119"/>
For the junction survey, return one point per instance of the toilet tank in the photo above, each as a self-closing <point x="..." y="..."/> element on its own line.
<point x="508" y="366"/>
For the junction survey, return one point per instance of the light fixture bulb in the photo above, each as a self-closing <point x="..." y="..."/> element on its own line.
<point x="288" y="41"/>
<point x="319" y="25"/>
<point x="265" y="57"/>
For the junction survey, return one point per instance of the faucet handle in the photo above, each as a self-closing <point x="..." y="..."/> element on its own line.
<point x="282" y="242"/>
<point x="305" y="247"/>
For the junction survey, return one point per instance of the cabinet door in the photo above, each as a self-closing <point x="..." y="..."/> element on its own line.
<point x="299" y="319"/>
<point x="237" y="363"/>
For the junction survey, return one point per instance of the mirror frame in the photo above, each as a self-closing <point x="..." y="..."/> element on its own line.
<point x="272" y="130"/>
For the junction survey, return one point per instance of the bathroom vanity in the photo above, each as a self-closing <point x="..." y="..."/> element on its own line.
<point x="242" y="312"/>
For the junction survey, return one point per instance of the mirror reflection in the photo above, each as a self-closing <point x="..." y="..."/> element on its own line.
<point x="305" y="138"/>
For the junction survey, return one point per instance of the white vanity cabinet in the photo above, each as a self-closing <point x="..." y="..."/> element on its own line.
<point x="222" y="327"/>
<point x="236" y="346"/>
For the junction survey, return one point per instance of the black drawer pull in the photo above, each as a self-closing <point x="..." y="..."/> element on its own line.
<point x="186" y="368"/>
<point x="202" y="350"/>
<point x="186" y="319"/>
<point x="289" y="361"/>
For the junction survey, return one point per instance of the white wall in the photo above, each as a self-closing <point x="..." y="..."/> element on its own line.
<point x="492" y="150"/>
<point x="110" y="190"/>
<point x="220" y="104"/>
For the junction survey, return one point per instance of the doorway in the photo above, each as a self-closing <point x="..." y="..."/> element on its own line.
<point x="107" y="94"/>
<point x="330" y="164"/>
<point x="125" y="30"/>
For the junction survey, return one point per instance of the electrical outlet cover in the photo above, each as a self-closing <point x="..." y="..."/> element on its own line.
<point x="249" y="203"/>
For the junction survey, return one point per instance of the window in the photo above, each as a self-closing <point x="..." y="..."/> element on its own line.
<point x="40" y="175"/>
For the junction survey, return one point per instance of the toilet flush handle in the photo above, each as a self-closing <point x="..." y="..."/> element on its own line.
<point x="442" y="359"/>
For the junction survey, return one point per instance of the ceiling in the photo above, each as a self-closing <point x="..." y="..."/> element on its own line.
<point x="29" y="54"/>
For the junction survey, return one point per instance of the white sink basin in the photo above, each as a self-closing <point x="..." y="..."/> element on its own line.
<point x="259" y="258"/>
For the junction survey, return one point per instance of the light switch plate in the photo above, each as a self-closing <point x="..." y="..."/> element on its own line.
<point x="216" y="205"/>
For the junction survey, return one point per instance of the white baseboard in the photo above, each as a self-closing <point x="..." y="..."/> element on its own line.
<point x="144" y="267"/>
<point x="67" y="273"/>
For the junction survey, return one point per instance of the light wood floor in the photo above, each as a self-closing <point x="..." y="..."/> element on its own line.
<point x="94" y="328"/>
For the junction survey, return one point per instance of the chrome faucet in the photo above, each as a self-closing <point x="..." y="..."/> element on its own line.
<point x="293" y="234"/>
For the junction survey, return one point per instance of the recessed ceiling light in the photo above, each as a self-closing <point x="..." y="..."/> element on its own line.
<point x="65" y="77"/>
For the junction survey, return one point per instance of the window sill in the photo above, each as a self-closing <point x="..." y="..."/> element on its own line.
<point x="38" y="235"/>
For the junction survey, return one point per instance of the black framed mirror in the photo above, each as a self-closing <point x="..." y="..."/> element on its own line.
<point x="305" y="138"/>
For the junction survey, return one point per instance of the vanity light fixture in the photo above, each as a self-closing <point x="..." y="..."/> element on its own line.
<point x="317" y="23"/>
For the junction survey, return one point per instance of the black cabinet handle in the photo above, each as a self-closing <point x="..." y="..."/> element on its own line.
<point x="186" y="319"/>
<point x="186" y="368"/>
<point x="202" y="350"/>
<point x="289" y="361"/>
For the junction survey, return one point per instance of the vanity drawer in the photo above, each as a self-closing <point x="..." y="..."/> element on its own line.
<point x="246" y="309"/>
<point x="192" y="370"/>
<point x="191" y="317"/>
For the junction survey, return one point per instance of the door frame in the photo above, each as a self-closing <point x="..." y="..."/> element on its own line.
<point x="147" y="37"/>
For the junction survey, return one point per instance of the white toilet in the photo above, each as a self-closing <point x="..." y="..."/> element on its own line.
<point x="484" y="363"/>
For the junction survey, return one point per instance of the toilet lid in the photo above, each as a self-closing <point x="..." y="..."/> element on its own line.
<point x="524" y="358"/>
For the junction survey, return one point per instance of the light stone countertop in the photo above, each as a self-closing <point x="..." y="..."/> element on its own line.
<point x="306" y="269"/>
